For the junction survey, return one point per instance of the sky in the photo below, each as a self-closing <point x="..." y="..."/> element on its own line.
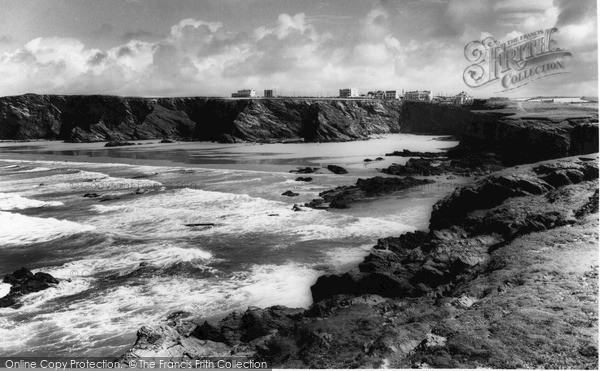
<point x="299" y="47"/>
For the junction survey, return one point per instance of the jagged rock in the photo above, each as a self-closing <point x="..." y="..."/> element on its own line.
<point x="91" y="195"/>
<point x="290" y="194"/>
<point x="24" y="282"/>
<point x="168" y="141"/>
<point x="433" y="341"/>
<point x="304" y="179"/>
<point x="337" y="169"/>
<point x="240" y="327"/>
<point x="342" y="197"/>
<point x="493" y="190"/>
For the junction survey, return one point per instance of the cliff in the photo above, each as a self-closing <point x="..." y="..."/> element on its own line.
<point x="519" y="132"/>
<point x="507" y="277"/>
<point x="107" y="118"/>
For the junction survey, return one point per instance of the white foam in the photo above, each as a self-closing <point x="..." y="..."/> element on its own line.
<point x="87" y="322"/>
<point x="12" y="201"/>
<point x="35" y="170"/>
<point x="4" y="289"/>
<point x="75" y="181"/>
<point x="66" y="286"/>
<point x="165" y="215"/>
<point x="26" y="229"/>
<point x="117" y="258"/>
<point x="344" y="258"/>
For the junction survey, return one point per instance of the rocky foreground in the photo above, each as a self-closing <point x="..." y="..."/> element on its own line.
<point x="506" y="277"/>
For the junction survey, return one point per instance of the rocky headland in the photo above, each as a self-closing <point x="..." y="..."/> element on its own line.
<point x="519" y="132"/>
<point x="505" y="277"/>
<point x="118" y="119"/>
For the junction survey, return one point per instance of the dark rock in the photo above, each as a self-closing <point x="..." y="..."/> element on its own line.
<point x="91" y="195"/>
<point x="109" y="198"/>
<point x="367" y="160"/>
<point x="296" y="207"/>
<point x="167" y="141"/>
<point x="407" y="153"/>
<point x="200" y="225"/>
<point x="290" y="194"/>
<point x="305" y="170"/>
<point x="493" y="190"/>
<point x="342" y="197"/>
<point x="337" y="169"/>
<point x="379" y="159"/>
<point x="24" y="282"/>
<point x="118" y="144"/>
<point x="240" y="327"/>
<point x="304" y="179"/>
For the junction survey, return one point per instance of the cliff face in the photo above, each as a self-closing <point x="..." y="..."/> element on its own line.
<point x="100" y="118"/>
<point x="519" y="132"/>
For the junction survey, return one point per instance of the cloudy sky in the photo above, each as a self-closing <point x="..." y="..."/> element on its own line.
<point x="301" y="47"/>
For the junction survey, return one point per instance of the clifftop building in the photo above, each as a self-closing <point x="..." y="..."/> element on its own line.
<point x="391" y="94"/>
<point x="244" y="93"/>
<point x="270" y="93"/>
<point x="422" y="95"/>
<point x="462" y="98"/>
<point x="349" y="93"/>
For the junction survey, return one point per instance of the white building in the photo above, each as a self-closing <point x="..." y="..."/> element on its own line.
<point x="423" y="95"/>
<point x="391" y="94"/>
<point x="349" y="93"/>
<point x="244" y="93"/>
<point x="376" y="94"/>
<point x="462" y="98"/>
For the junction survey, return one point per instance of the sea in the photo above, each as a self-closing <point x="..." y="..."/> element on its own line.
<point x="197" y="227"/>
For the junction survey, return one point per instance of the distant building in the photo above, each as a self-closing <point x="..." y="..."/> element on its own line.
<point x="378" y="94"/>
<point x="462" y="98"/>
<point x="391" y="94"/>
<point x="423" y="95"/>
<point x="244" y="93"/>
<point x="349" y="93"/>
<point x="270" y="93"/>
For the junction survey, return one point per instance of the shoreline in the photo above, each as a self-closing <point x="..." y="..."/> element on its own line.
<point x="277" y="334"/>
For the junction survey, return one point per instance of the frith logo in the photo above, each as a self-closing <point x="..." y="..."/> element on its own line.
<point x="516" y="62"/>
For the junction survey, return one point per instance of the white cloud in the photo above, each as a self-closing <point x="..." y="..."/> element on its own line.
<point x="199" y="57"/>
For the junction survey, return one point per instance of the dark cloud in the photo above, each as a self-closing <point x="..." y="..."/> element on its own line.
<point x="97" y="58"/>
<point x="573" y="12"/>
<point x="138" y="34"/>
<point x="124" y="51"/>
